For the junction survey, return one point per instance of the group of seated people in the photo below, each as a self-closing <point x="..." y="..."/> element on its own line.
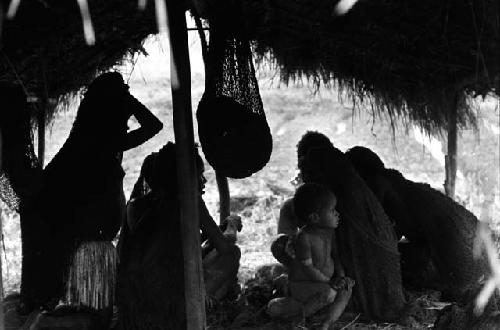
<point x="71" y="210"/>
<point x="363" y="262"/>
<point x="338" y="237"/>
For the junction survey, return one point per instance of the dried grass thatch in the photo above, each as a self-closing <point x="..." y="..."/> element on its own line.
<point x="412" y="59"/>
<point x="43" y="46"/>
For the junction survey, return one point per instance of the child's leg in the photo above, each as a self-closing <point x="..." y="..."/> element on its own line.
<point x="284" y="307"/>
<point x="338" y="306"/>
<point x="313" y="295"/>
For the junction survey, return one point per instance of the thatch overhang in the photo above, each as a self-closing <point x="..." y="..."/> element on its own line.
<point x="43" y="47"/>
<point x="408" y="58"/>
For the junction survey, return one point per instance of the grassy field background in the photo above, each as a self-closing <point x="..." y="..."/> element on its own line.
<point x="291" y="111"/>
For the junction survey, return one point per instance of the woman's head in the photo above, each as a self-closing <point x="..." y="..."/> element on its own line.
<point x="365" y="161"/>
<point x="104" y="111"/>
<point x="310" y="140"/>
<point x="166" y="171"/>
<point x="109" y="82"/>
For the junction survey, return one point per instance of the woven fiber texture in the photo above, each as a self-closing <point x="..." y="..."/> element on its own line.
<point x="232" y="126"/>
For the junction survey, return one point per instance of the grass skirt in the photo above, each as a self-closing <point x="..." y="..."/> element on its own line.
<point x="92" y="275"/>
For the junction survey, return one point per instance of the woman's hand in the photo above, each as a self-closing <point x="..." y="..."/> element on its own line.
<point x="234" y="225"/>
<point x="234" y="222"/>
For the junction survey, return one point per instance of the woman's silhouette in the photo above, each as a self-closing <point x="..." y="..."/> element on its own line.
<point x="82" y="199"/>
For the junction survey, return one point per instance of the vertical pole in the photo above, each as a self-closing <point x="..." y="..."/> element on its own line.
<point x="2" y="319"/>
<point x="2" y="322"/>
<point x="1" y="150"/>
<point x="187" y="175"/>
<point x="451" y="157"/>
<point x="41" y="130"/>
<point x="224" y="197"/>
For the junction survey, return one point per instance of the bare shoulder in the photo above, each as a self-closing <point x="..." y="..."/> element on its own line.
<point x="319" y="236"/>
<point x="302" y="236"/>
<point x="287" y="207"/>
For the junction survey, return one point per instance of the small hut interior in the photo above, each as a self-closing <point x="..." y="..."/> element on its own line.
<point x="406" y="63"/>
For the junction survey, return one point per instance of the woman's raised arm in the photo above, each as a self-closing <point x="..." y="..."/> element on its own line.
<point x="150" y="125"/>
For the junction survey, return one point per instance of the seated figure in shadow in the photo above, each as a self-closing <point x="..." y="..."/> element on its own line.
<point x="440" y="232"/>
<point x="366" y="242"/>
<point x="150" y="289"/>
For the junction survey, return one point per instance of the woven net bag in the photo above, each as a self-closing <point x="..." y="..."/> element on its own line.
<point x="232" y="126"/>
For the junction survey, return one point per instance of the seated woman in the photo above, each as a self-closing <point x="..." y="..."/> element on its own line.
<point x="441" y="232"/>
<point x="366" y="239"/>
<point x="150" y="289"/>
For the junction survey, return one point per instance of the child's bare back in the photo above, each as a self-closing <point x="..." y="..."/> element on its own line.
<point x="314" y="247"/>
<point x="312" y="284"/>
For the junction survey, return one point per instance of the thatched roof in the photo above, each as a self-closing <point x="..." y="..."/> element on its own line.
<point x="44" y="46"/>
<point x="411" y="57"/>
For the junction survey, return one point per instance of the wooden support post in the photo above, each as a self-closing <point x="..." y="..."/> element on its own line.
<point x="1" y="149"/>
<point x="187" y="174"/>
<point x="41" y="115"/>
<point x="2" y="321"/>
<point x="224" y="196"/>
<point x="451" y="157"/>
<point x="2" y="318"/>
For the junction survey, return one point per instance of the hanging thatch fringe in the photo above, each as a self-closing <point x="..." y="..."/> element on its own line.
<point x="381" y="54"/>
<point x="92" y="275"/>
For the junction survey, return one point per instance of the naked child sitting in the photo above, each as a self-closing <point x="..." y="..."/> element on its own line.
<point x="317" y="280"/>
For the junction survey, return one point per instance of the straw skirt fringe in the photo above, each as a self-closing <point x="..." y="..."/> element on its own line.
<point x="92" y="275"/>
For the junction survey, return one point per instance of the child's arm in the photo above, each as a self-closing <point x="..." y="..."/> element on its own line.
<point x="303" y="254"/>
<point x="150" y="125"/>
